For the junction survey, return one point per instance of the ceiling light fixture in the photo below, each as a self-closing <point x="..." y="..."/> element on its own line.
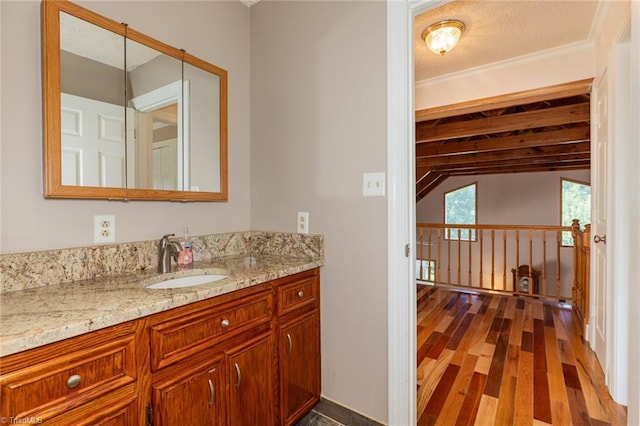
<point x="443" y="36"/>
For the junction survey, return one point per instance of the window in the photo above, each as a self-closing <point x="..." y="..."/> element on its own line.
<point x="426" y="270"/>
<point x="460" y="208"/>
<point x="575" y="204"/>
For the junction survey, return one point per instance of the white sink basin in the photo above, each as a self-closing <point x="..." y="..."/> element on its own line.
<point x="187" y="281"/>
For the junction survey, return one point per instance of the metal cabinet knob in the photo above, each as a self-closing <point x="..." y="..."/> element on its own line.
<point x="224" y="323"/>
<point x="74" y="381"/>
<point x="300" y="293"/>
<point x="598" y="239"/>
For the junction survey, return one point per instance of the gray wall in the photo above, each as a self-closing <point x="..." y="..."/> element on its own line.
<point x="218" y="32"/>
<point x="318" y="121"/>
<point x="302" y="130"/>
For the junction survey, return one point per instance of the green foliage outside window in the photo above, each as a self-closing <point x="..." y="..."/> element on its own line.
<point x="576" y="204"/>
<point x="460" y="208"/>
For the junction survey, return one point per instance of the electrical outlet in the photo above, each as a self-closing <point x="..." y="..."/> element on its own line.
<point x="104" y="228"/>
<point x="373" y="184"/>
<point x="303" y="223"/>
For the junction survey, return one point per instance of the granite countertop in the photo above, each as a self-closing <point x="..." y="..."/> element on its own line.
<point x="34" y="317"/>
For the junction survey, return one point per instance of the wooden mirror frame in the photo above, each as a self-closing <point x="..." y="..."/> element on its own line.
<point x="51" y="74"/>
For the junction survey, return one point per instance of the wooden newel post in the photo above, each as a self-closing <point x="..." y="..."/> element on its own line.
<point x="575" y="228"/>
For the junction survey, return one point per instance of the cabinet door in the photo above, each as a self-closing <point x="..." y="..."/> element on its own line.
<point x="251" y="392"/>
<point x="299" y="356"/>
<point x="195" y="397"/>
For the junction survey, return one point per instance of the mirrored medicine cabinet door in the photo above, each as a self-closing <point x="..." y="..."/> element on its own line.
<point x="127" y="117"/>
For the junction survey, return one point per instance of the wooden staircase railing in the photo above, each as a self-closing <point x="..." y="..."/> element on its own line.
<point x="514" y="259"/>
<point x="582" y="266"/>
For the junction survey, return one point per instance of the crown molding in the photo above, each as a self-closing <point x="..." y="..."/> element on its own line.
<point x="518" y="60"/>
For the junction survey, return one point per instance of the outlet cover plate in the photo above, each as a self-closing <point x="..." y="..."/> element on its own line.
<point x="104" y="228"/>
<point x="303" y="223"/>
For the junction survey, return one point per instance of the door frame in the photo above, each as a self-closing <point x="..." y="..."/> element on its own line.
<point x="401" y="215"/>
<point x="620" y="166"/>
<point x="401" y="205"/>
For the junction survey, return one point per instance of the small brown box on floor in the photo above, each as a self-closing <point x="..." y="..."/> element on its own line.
<point x="521" y="278"/>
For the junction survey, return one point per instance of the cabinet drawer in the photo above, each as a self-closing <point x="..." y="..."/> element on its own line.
<point x="55" y="386"/>
<point x="181" y="337"/>
<point x="297" y="294"/>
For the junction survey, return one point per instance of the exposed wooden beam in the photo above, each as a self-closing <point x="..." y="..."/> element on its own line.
<point x="422" y="173"/>
<point x="579" y="134"/>
<point x="430" y="182"/>
<point x="578" y="165"/>
<point x="542" y="161"/>
<point x="558" y="91"/>
<point x="524" y="120"/>
<point x="530" y="153"/>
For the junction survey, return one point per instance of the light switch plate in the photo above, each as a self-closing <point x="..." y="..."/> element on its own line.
<point x="373" y="184"/>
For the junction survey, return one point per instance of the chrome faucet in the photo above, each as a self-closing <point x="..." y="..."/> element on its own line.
<point x="168" y="249"/>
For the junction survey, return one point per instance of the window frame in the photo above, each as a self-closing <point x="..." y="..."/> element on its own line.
<point x="577" y="182"/>
<point x="472" y="234"/>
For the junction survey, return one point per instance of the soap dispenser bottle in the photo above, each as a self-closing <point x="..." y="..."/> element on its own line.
<point x="185" y="258"/>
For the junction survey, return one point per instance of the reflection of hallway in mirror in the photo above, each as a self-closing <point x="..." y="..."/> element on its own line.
<point x="165" y="164"/>
<point x="93" y="145"/>
<point x="165" y="147"/>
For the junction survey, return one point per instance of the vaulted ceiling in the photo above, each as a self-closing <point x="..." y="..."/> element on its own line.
<point x="542" y="130"/>
<point x="546" y="129"/>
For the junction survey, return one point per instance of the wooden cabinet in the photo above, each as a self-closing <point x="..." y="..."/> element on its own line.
<point x="299" y="355"/>
<point x="251" y="383"/>
<point x="249" y="357"/>
<point x="213" y="362"/>
<point x="56" y="383"/>
<point x="190" y="394"/>
<point x="189" y="330"/>
<point x="298" y="345"/>
<point x="113" y="410"/>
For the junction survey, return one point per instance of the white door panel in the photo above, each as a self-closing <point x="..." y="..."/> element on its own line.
<point x="599" y="301"/>
<point x="93" y="143"/>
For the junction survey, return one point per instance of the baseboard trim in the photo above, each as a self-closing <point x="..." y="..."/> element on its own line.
<point x="342" y="414"/>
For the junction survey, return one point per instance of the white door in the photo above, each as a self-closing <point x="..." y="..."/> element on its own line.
<point x="599" y="200"/>
<point x="165" y="171"/>
<point x="93" y="143"/>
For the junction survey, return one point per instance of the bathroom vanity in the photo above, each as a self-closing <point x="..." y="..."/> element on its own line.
<point x="244" y="350"/>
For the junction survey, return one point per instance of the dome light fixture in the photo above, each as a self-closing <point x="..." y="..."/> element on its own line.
<point x="443" y="36"/>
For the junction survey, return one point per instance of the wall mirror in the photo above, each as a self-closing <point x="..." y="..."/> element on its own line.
<point x="127" y="117"/>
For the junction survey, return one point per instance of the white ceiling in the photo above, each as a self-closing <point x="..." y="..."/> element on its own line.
<point x="501" y="30"/>
<point x="90" y="41"/>
<point x="495" y="31"/>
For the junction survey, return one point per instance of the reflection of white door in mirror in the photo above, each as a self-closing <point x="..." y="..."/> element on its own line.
<point x="164" y="164"/>
<point x="93" y="143"/>
<point x="162" y="111"/>
<point x="76" y="43"/>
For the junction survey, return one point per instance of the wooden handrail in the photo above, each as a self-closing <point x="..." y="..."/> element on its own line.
<point x="582" y="263"/>
<point x="534" y="252"/>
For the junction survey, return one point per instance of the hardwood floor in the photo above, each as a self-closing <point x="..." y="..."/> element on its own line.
<point x="498" y="360"/>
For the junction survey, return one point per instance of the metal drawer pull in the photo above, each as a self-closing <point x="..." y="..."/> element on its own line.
<point x="239" y="376"/>
<point x="211" y="393"/>
<point x="300" y="293"/>
<point x="290" y="343"/>
<point x="73" y="381"/>
<point x="225" y="323"/>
